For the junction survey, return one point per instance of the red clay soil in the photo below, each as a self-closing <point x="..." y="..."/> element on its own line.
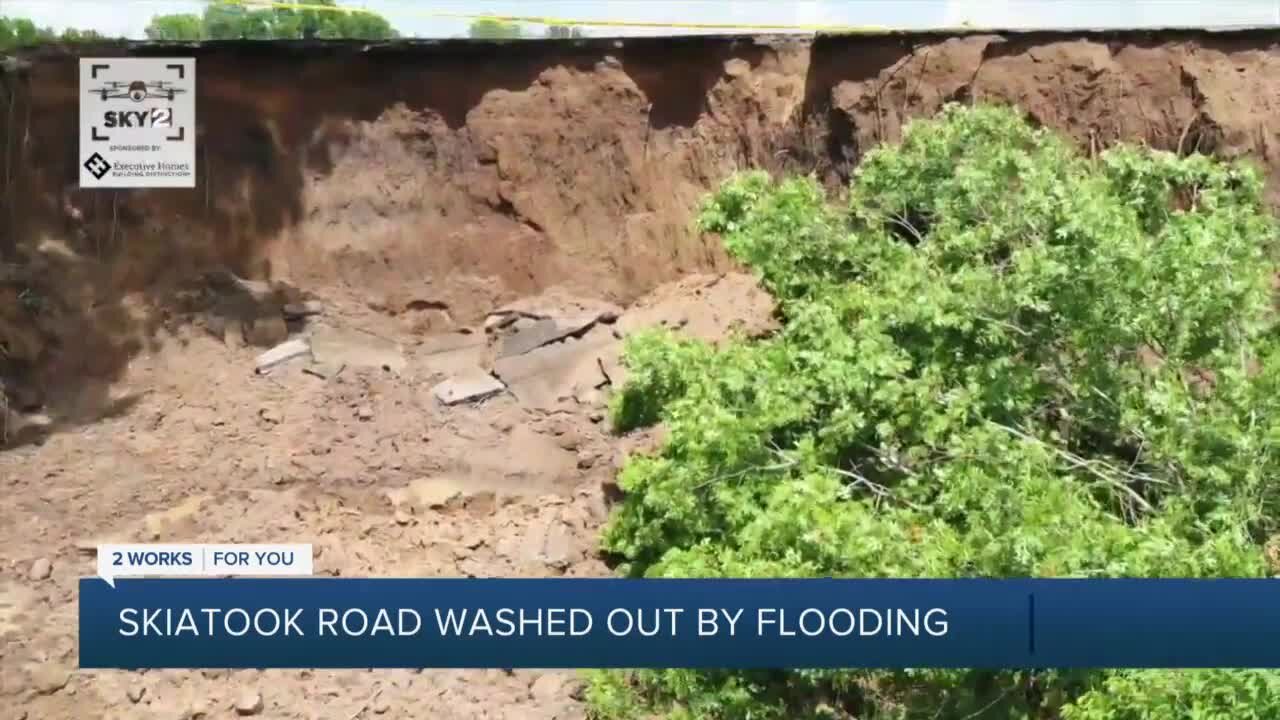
<point x="413" y="190"/>
<point x="464" y="175"/>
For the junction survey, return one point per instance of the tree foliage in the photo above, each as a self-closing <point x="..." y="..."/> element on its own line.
<point x="494" y="29"/>
<point x="21" y="32"/>
<point x="235" y="22"/>
<point x="1000" y="359"/>
<point x="181" y="27"/>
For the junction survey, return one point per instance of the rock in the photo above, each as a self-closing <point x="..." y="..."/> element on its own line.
<point x="483" y="503"/>
<point x="18" y="424"/>
<point x="586" y="460"/>
<point x="597" y="507"/>
<point x="249" y="702"/>
<point x="570" y="439"/>
<point x="364" y="412"/>
<point x="381" y="706"/>
<point x="282" y="353"/>
<point x="135" y="693"/>
<point x="467" y="387"/>
<point x="293" y="311"/>
<point x="267" y="331"/>
<point x="548" y="686"/>
<point x="557" y="547"/>
<point x="435" y="492"/>
<point x="41" y="569"/>
<point x="595" y="416"/>
<point x="402" y="517"/>
<point x="270" y="415"/>
<point x="511" y="545"/>
<point x="49" y="679"/>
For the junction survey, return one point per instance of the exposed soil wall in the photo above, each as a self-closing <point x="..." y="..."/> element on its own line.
<point x="454" y="234"/>
<point x="455" y="176"/>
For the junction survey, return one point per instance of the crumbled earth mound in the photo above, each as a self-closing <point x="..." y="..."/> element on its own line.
<point x="346" y="443"/>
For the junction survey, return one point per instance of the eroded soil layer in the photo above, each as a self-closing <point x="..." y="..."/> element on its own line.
<point x="388" y="318"/>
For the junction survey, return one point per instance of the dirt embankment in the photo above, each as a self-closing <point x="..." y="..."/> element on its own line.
<point x="453" y="238"/>
<point x="458" y="176"/>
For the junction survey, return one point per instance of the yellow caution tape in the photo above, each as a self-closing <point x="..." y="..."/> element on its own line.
<point x="540" y="20"/>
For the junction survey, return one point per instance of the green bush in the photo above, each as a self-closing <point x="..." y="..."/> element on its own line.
<point x="17" y="33"/>
<point x="1000" y="359"/>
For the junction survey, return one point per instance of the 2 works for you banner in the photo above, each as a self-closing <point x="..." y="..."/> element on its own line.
<point x="589" y="623"/>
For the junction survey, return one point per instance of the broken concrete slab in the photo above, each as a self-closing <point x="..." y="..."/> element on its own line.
<point x="467" y="387"/>
<point x="546" y="318"/>
<point x="523" y="340"/>
<point x="356" y="349"/>
<point x="284" y="352"/>
<point x="542" y="378"/>
<point x="545" y="332"/>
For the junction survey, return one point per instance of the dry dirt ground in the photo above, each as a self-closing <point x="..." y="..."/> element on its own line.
<point x="355" y="446"/>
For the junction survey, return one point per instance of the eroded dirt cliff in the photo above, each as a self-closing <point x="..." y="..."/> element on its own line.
<point x="461" y="175"/>
<point x="426" y="220"/>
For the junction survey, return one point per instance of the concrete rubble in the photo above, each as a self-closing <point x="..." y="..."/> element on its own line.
<point x="282" y="353"/>
<point x="468" y="386"/>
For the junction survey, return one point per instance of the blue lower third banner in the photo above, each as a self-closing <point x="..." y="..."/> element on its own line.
<point x="602" y="623"/>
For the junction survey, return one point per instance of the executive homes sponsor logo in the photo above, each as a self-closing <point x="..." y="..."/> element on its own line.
<point x="97" y="166"/>
<point x="137" y="122"/>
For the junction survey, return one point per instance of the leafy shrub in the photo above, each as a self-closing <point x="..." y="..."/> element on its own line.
<point x="1000" y="359"/>
<point x="16" y="33"/>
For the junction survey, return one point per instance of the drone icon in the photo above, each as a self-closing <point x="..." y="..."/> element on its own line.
<point x="137" y="90"/>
